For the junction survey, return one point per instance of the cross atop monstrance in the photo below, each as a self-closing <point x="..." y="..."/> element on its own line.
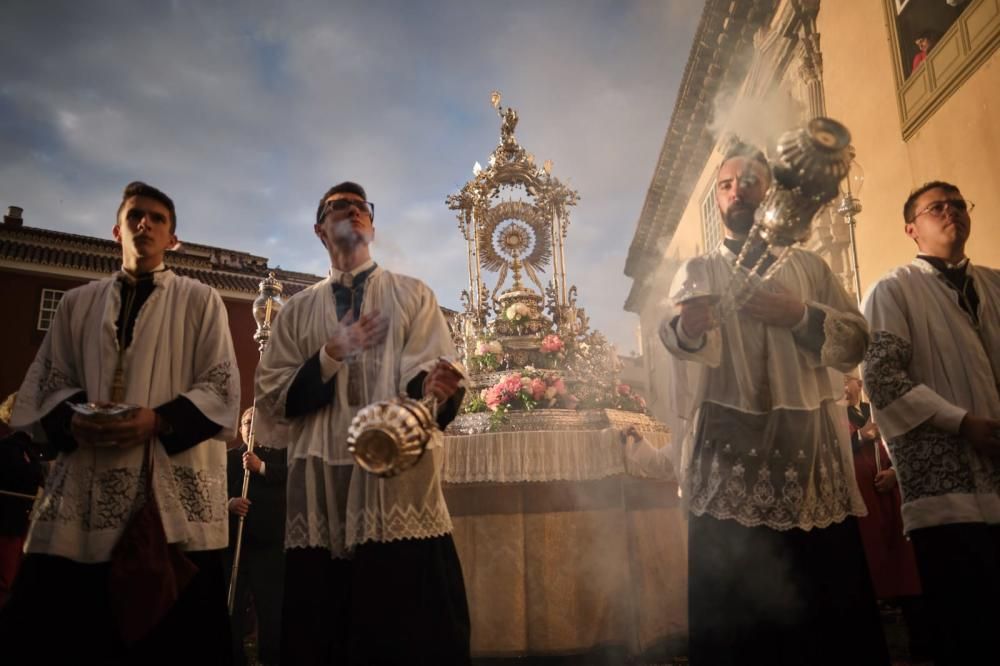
<point x="514" y="217"/>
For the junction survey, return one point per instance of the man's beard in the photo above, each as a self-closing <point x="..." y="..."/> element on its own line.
<point x="739" y="218"/>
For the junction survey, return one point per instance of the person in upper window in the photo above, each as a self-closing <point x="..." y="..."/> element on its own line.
<point x="925" y="41"/>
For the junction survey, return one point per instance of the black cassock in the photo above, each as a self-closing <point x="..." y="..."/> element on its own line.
<point x="261" y="574"/>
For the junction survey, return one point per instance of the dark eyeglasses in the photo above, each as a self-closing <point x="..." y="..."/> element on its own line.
<point x="937" y="208"/>
<point x="339" y="205"/>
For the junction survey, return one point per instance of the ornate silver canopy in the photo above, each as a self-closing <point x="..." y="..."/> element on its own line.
<point x="514" y="217"/>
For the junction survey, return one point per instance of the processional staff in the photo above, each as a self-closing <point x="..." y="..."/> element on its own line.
<point x="265" y="307"/>
<point x="848" y="207"/>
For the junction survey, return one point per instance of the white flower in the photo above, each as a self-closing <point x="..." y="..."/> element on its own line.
<point x="484" y="347"/>
<point x="517" y="311"/>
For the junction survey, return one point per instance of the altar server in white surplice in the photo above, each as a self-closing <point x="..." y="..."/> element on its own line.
<point x="777" y="573"/>
<point x="932" y="373"/>
<point x="372" y="574"/>
<point x="147" y="337"/>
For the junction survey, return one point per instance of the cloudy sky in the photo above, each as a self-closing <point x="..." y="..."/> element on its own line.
<point x="245" y="112"/>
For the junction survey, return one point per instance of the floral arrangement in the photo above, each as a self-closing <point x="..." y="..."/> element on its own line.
<point x="614" y="395"/>
<point x="627" y="399"/>
<point x="484" y="347"/>
<point x="531" y="389"/>
<point x="522" y="390"/>
<point x="487" y="355"/>
<point x="516" y="312"/>
<point x="552" y="344"/>
<point x="553" y="350"/>
<point x="586" y="378"/>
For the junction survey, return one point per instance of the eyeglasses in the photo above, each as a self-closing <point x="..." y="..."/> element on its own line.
<point x="339" y="205"/>
<point x="937" y="208"/>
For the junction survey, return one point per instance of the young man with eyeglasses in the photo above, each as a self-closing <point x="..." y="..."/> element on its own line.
<point x="372" y="573"/>
<point x="933" y="372"/>
<point x="159" y="342"/>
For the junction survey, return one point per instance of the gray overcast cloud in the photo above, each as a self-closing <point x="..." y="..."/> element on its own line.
<point x="245" y="112"/>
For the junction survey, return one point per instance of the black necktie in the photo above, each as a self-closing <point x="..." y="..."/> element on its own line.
<point x="134" y="293"/>
<point x="958" y="279"/>
<point x="349" y="298"/>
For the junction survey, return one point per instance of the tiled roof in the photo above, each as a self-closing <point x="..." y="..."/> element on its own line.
<point x="100" y="257"/>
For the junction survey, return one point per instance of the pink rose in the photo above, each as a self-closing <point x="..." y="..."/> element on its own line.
<point x="511" y="384"/>
<point x="624" y="389"/>
<point x="551" y="343"/>
<point x="492" y="397"/>
<point x="537" y="388"/>
<point x="559" y="386"/>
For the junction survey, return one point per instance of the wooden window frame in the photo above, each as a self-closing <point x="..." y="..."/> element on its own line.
<point x="45" y="323"/>
<point x="711" y="219"/>
<point x="966" y="45"/>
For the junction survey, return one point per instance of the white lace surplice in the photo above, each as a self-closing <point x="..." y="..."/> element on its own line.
<point x="181" y="346"/>
<point x="926" y="368"/>
<point x="332" y="503"/>
<point x="765" y="441"/>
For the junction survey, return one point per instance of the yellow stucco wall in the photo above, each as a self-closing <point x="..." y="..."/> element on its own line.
<point x="959" y="143"/>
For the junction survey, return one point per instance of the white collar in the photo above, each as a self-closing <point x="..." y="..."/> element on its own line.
<point x="922" y="262"/>
<point x="347" y="277"/>
<point x="157" y="273"/>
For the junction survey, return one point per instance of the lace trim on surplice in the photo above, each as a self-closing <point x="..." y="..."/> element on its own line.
<point x="842" y="342"/>
<point x="218" y="379"/>
<point x="886" y="361"/>
<point x="929" y="462"/>
<point x="50" y="380"/>
<point x="397" y="523"/>
<point x="738" y="477"/>
<point x="105" y="500"/>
